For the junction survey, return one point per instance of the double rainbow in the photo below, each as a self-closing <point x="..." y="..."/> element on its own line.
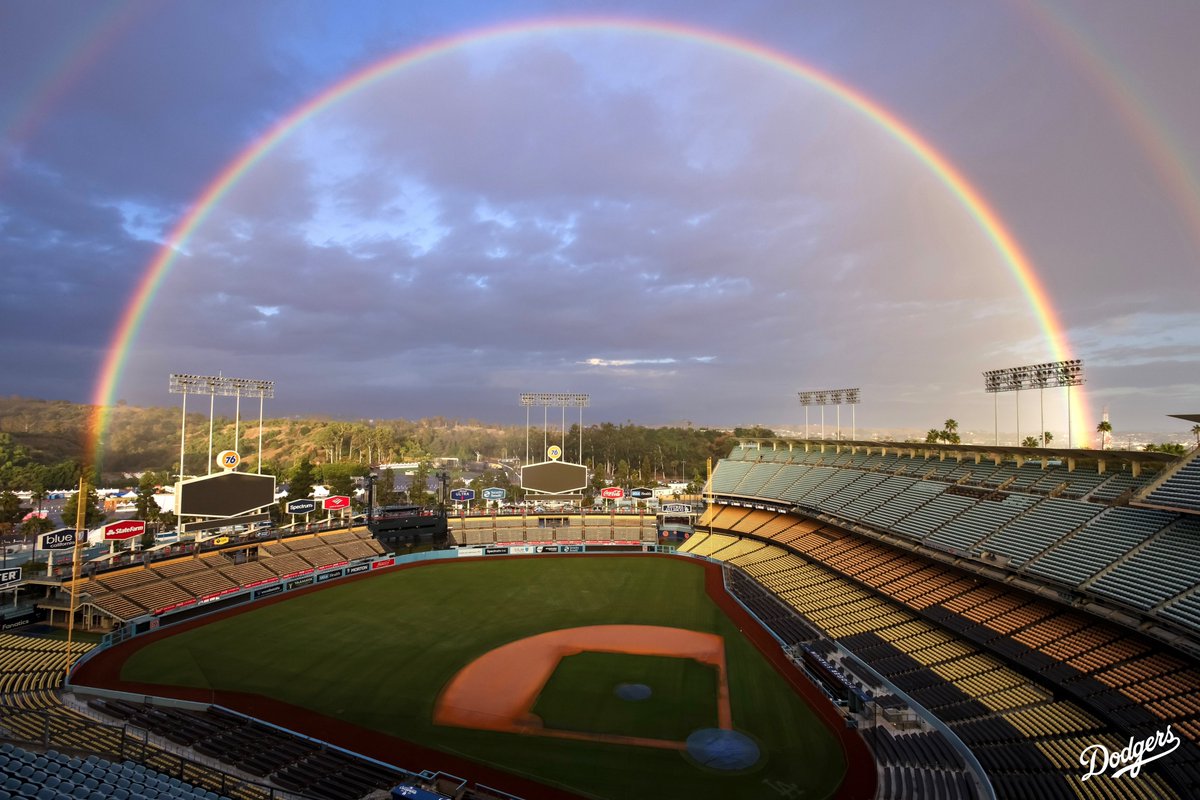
<point x="970" y="198"/>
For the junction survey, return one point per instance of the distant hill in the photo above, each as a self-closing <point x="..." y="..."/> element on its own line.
<point x="53" y="431"/>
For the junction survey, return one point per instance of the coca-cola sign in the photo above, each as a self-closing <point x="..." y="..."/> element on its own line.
<point x="612" y="492"/>
<point x="125" y="529"/>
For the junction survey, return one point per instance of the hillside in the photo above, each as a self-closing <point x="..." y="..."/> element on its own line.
<point x="51" y="432"/>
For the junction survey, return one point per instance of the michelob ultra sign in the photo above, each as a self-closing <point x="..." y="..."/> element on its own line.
<point x="125" y="529"/>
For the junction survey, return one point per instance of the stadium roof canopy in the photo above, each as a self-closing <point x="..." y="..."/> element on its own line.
<point x="1186" y="417"/>
<point x="1139" y="457"/>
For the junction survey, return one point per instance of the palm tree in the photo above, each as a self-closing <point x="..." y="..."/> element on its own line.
<point x="1029" y="441"/>
<point x="951" y="425"/>
<point x="1196" y="433"/>
<point x="933" y="436"/>
<point x="1103" y="428"/>
<point x="1047" y="438"/>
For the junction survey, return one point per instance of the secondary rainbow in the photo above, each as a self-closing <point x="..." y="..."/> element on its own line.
<point x="1158" y="143"/>
<point x="987" y="219"/>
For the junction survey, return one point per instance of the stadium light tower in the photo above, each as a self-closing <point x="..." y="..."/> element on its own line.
<point x="564" y="400"/>
<point x="213" y="386"/>
<point x="824" y="397"/>
<point x="1053" y="375"/>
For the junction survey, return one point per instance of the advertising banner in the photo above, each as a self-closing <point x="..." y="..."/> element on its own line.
<point x="462" y="495"/>
<point x="357" y="568"/>
<point x="548" y="548"/>
<point x="335" y="502"/>
<point x="570" y="548"/>
<point x="10" y="575"/>
<point x="174" y="607"/>
<point x="267" y="591"/>
<point x="125" y="529"/>
<point x="612" y="492"/>
<point x="464" y="552"/>
<point x="494" y="493"/>
<point x="495" y="551"/>
<point x="296" y="584"/>
<point x="20" y="620"/>
<point x="641" y="493"/>
<point x="676" y="508"/>
<point x="387" y="562"/>
<point x="218" y="595"/>
<point x="305" y="506"/>
<point x="252" y="584"/>
<point x="328" y="576"/>
<point x="61" y="539"/>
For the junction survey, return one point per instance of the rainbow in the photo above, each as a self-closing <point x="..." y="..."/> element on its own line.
<point x="1166" y="154"/>
<point x="989" y="222"/>
<point x="68" y="65"/>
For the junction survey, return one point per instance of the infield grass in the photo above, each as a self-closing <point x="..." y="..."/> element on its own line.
<point x="581" y="696"/>
<point x="377" y="652"/>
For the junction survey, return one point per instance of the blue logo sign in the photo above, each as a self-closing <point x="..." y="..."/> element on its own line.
<point x="301" y="506"/>
<point x="641" y="494"/>
<point x="494" y="493"/>
<point x="462" y="495"/>
<point x="63" y="539"/>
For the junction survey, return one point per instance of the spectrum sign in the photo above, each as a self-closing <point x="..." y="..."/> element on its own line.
<point x="125" y="529"/>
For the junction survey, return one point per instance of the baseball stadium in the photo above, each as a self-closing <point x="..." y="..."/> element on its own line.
<point x="833" y="619"/>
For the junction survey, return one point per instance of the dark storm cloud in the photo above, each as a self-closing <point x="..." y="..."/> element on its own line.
<point x="681" y="232"/>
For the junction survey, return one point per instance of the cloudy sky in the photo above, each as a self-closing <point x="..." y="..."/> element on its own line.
<point x="677" y="224"/>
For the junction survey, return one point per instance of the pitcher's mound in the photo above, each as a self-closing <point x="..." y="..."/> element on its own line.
<point x="633" y="691"/>
<point x="722" y="749"/>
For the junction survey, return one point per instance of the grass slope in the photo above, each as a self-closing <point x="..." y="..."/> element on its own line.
<point x="377" y="652"/>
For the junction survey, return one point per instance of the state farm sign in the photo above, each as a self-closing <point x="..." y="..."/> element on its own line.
<point x="125" y="529"/>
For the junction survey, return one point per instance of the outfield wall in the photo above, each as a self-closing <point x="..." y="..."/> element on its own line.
<point x="307" y="578"/>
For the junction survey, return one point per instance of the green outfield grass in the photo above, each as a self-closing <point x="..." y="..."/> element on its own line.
<point x="377" y="652"/>
<point x="581" y="696"/>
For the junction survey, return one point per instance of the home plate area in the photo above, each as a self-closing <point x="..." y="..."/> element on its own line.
<point x="640" y="685"/>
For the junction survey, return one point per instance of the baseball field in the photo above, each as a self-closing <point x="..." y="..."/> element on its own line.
<point x="587" y="674"/>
